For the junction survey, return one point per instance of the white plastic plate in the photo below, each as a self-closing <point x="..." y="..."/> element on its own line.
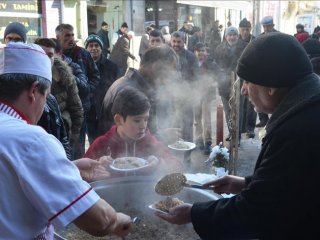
<point x="191" y="146"/>
<point x="141" y="161"/>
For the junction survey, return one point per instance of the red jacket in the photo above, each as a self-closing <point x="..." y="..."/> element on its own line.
<point x="143" y="148"/>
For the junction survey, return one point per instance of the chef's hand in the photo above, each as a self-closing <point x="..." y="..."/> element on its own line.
<point x="177" y="215"/>
<point x="91" y="170"/>
<point x="122" y="226"/>
<point x="227" y="184"/>
<point x="105" y="161"/>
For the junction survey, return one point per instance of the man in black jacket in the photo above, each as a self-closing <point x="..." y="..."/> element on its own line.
<point x="103" y="33"/>
<point x="278" y="200"/>
<point x="52" y="122"/>
<point x="109" y="72"/>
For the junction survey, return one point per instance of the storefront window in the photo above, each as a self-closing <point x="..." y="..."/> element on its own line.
<point x="26" y="12"/>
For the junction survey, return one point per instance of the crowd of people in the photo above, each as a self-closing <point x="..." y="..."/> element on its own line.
<point x="75" y="92"/>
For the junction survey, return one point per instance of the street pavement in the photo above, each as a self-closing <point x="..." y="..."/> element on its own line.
<point x="248" y="153"/>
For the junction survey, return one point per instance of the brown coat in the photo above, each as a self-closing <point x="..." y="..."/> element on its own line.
<point x="121" y="51"/>
<point x="65" y="90"/>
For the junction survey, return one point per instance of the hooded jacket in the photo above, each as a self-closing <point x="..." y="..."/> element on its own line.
<point x="142" y="148"/>
<point x="64" y="88"/>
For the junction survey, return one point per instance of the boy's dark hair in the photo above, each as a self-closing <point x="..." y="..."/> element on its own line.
<point x="46" y="42"/>
<point x="130" y="102"/>
<point x="58" y="47"/>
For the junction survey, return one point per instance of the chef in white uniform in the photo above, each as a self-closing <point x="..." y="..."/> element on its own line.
<point x="39" y="187"/>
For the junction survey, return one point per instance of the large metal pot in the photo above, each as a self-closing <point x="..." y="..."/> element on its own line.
<point x="138" y="192"/>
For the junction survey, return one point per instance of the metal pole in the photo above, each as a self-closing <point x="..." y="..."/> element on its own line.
<point x="219" y="125"/>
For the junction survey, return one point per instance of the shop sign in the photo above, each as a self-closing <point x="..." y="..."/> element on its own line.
<point x="31" y="6"/>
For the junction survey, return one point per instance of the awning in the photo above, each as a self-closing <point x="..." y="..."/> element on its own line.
<point x="239" y="5"/>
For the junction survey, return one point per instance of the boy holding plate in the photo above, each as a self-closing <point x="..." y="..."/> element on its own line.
<point x="129" y="137"/>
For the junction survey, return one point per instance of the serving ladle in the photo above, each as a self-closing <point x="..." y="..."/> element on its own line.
<point x="173" y="183"/>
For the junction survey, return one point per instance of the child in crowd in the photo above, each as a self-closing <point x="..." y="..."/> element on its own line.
<point x="129" y="137"/>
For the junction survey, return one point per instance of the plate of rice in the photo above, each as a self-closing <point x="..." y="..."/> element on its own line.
<point x="127" y="164"/>
<point x="182" y="146"/>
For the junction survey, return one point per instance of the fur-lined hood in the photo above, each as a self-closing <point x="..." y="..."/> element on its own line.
<point x="61" y="72"/>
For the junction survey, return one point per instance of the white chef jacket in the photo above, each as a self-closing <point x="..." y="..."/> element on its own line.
<point x="39" y="186"/>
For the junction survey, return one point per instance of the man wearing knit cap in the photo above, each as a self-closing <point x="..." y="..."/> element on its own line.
<point x="15" y="32"/>
<point x="278" y="200"/>
<point x="245" y="31"/>
<point x="109" y="72"/>
<point x="40" y="188"/>
<point x="103" y="33"/>
<point x="226" y="55"/>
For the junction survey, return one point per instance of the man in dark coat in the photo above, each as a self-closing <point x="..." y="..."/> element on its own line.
<point x="189" y="69"/>
<point x="103" y="33"/>
<point x="226" y="56"/>
<point x="79" y="55"/>
<point x="278" y="200"/>
<point x="109" y="72"/>
<point x="249" y="116"/>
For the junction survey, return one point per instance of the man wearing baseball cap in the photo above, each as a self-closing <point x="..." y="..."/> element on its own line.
<point x="278" y="200"/>
<point x="40" y="187"/>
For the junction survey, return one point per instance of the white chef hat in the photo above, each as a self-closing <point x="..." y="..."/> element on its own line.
<point x="18" y="57"/>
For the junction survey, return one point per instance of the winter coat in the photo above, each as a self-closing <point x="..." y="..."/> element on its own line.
<point x="121" y="51"/>
<point x="64" y="88"/>
<point x="193" y="40"/>
<point x="109" y="72"/>
<point x="227" y="59"/>
<point x="82" y="82"/>
<point x="118" y="34"/>
<point x="210" y="74"/>
<point x="279" y="200"/>
<point x="316" y="64"/>
<point x="52" y="122"/>
<point x="133" y="79"/>
<point x="82" y="57"/>
<point x="104" y="35"/>
<point x="189" y="66"/>
<point x="143" y="148"/>
<point x="144" y="44"/>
